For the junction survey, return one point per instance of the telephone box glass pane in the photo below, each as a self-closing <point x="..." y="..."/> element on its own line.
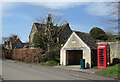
<point x="107" y="54"/>
<point x="101" y="57"/>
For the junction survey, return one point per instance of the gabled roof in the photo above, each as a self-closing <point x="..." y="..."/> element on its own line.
<point x="17" y="40"/>
<point x="87" y="39"/>
<point x="14" y="41"/>
<point x="58" y="29"/>
<point x="61" y="28"/>
<point x="38" y="26"/>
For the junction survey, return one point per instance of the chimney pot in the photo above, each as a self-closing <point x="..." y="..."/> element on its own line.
<point x="65" y="22"/>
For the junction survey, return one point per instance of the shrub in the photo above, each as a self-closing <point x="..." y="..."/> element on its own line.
<point x="24" y="54"/>
<point x="49" y="63"/>
<point x="48" y="56"/>
<point x="38" y="41"/>
<point x="57" y="59"/>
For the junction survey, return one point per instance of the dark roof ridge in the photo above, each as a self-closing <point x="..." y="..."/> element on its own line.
<point x="79" y="31"/>
<point x="61" y="28"/>
<point x="38" y="23"/>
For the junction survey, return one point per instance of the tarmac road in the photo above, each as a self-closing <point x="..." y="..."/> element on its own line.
<point x="17" y="71"/>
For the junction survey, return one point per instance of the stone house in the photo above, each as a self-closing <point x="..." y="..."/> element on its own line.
<point x="61" y="32"/>
<point x="79" y="46"/>
<point x="13" y="42"/>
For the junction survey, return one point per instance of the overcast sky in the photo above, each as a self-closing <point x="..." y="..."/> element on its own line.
<point x="18" y="17"/>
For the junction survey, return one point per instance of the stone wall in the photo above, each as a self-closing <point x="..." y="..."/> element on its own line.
<point x="114" y="49"/>
<point x="33" y="31"/>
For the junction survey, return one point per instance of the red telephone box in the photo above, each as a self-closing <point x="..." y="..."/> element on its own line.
<point x="103" y="55"/>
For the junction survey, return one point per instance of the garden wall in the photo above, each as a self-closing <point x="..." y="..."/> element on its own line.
<point x="24" y="54"/>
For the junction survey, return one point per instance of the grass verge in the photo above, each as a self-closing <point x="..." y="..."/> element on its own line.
<point x="112" y="71"/>
<point x="95" y="67"/>
<point x="49" y="63"/>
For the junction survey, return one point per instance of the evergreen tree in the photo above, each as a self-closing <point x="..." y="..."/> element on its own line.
<point x="98" y="33"/>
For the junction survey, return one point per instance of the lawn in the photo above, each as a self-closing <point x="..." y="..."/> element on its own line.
<point x="113" y="71"/>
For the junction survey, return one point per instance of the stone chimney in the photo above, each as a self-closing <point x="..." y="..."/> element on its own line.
<point x="15" y="37"/>
<point x="49" y="18"/>
<point x="65" y="23"/>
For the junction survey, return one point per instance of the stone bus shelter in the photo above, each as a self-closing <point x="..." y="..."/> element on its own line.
<point x="79" y="46"/>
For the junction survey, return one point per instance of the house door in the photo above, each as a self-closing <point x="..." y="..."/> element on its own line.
<point x="73" y="57"/>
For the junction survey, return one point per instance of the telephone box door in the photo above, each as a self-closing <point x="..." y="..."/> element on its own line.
<point x="101" y="56"/>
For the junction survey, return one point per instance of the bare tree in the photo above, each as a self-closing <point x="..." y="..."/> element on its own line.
<point x="48" y="32"/>
<point x="41" y="20"/>
<point x="56" y="20"/>
<point x="113" y="19"/>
